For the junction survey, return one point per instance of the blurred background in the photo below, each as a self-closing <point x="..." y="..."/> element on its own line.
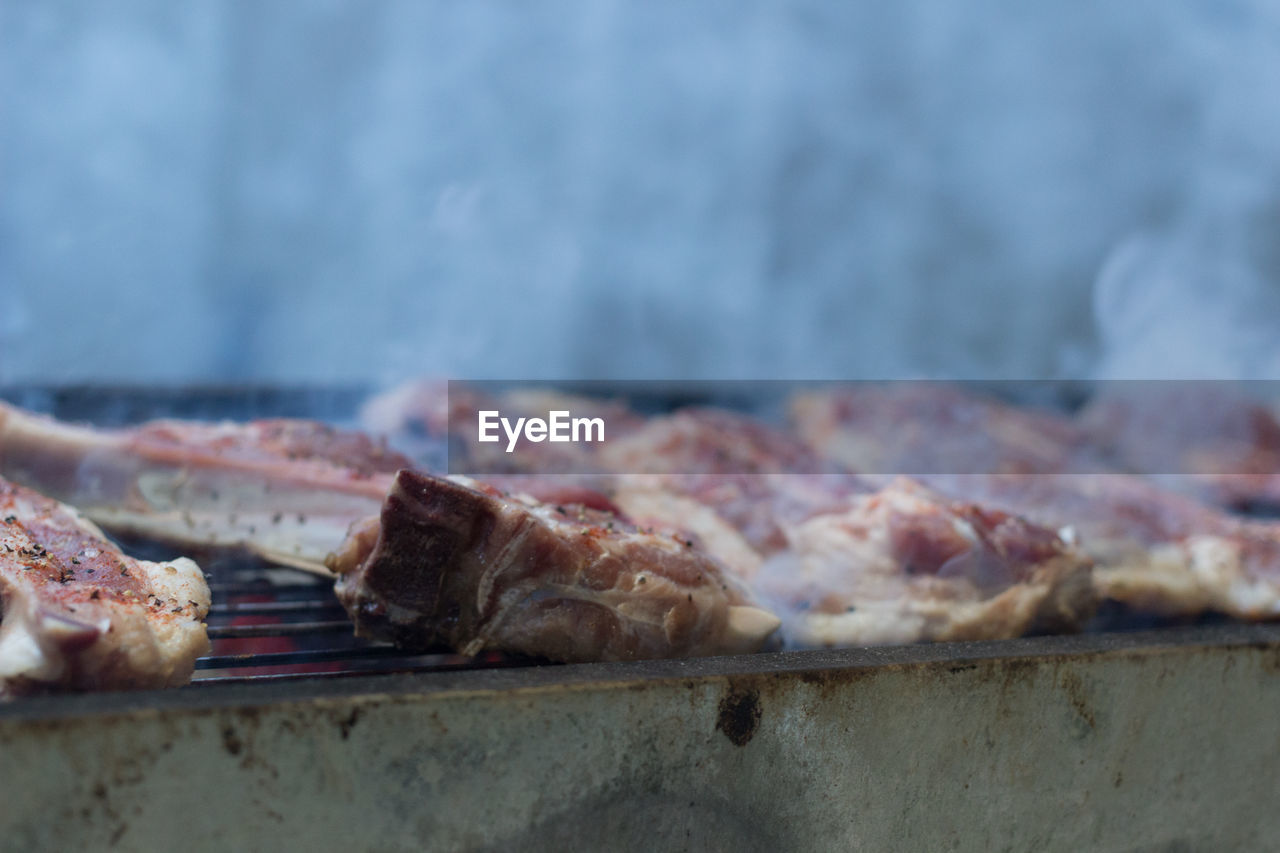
<point x="363" y="190"/>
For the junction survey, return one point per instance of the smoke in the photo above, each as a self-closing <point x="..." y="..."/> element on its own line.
<point x="1196" y="292"/>
<point x="345" y="191"/>
<point x="1188" y="304"/>
<point x="14" y="322"/>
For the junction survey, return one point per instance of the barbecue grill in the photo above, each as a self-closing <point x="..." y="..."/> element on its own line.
<point x="294" y="734"/>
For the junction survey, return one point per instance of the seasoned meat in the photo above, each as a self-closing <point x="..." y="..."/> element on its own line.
<point x="924" y="428"/>
<point x="286" y="489"/>
<point x="778" y="516"/>
<point x="711" y="441"/>
<point x="1155" y="550"/>
<point x="1204" y="438"/>
<point x="903" y="564"/>
<point x="79" y="614"/>
<point x="470" y="566"/>
<point x="458" y="564"/>
<point x="850" y="562"/>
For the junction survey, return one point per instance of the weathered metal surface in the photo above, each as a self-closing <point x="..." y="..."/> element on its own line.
<point x="1161" y="741"/>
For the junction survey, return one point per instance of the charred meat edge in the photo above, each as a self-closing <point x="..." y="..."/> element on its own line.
<point x="452" y="563"/>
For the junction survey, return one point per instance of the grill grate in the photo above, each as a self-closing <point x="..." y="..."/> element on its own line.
<point x="268" y="623"/>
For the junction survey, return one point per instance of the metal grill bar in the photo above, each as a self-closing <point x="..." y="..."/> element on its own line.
<point x="307" y="656"/>
<point x="284" y="629"/>
<point x="273" y="624"/>
<point x="260" y="585"/>
<point x="273" y="607"/>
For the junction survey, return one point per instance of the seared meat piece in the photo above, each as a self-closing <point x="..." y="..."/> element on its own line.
<point x="1199" y="438"/>
<point x="754" y="477"/>
<point x="923" y="428"/>
<point x="287" y="490"/>
<point x="711" y="441"/>
<point x="759" y="500"/>
<point x="852" y="562"/>
<point x="903" y="564"/>
<point x="897" y="564"/>
<point x="79" y="614"/>
<point x="1155" y="550"/>
<point x="736" y="482"/>
<point x="1203" y="438"/>
<point x="461" y="565"/>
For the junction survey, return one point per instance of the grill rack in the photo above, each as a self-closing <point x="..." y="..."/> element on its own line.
<point x="270" y="623"/>
<point x="266" y="623"/>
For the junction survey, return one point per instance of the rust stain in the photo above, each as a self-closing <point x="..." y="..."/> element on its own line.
<point x="1075" y="689"/>
<point x="1019" y="671"/>
<point x="826" y="682"/>
<point x="348" y="723"/>
<point x="739" y="715"/>
<point x="231" y="741"/>
<point x="1270" y="659"/>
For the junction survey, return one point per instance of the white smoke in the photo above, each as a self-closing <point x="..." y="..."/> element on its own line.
<point x="346" y="191"/>
<point x="1187" y="304"/>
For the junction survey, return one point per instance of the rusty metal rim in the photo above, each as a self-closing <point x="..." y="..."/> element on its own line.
<point x="640" y="673"/>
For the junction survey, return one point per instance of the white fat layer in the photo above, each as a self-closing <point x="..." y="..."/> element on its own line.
<point x="22" y="655"/>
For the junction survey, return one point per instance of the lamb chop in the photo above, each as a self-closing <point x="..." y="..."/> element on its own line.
<point x="755" y="497"/>
<point x="285" y="489"/>
<point x="79" y="614"/>
<point x="847" y="560"/>
<point x="1203" y="439"/>
<point x="1155" y="550"/>
<point x="185" y="481"/>
<point x="459" y="564"/>
<point x="290" y="490"/>
<point x="925" y="428"/>
<point x="903" y="564"/>
<point x="1207" y="439"/>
